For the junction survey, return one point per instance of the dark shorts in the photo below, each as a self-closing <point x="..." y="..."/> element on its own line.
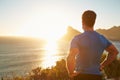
<point x="88" y="77"/>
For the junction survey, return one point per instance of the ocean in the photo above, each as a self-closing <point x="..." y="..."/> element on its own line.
<point x="21" y="55"/>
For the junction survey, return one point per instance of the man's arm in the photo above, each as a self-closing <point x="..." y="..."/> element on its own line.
<point x="71" y="60"/>
<point x="112" y="54"/>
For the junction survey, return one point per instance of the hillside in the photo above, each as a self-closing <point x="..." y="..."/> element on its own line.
<point x="112" y="33"/>
<point x="71" y="32"/>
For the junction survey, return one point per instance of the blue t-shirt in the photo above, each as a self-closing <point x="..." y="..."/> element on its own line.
<point x="91" y="46"/>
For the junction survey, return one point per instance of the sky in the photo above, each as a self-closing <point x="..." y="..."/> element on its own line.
<point x="46" y="18"/>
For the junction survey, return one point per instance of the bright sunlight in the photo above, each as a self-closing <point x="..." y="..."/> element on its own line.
<point x="50" y="57"/>
<point x="49" y="25"/>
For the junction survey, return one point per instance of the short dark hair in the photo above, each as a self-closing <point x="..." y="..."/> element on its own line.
<point x="88" y="18"/>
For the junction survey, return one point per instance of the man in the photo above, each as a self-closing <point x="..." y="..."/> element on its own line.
<point x="83" y="61"/>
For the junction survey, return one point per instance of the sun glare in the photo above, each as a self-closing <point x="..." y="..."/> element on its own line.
<point x="49" y="24"/>
<point x="51" y="46"/>
<point x="50" y="57"/>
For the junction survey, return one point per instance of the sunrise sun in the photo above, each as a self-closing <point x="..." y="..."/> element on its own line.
<point x="50" y="25"/>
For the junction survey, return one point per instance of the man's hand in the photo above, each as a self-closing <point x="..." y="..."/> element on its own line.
<point x="112" y="54"/>
<point x="73" y="74"/>
<point x="101" y="67"/>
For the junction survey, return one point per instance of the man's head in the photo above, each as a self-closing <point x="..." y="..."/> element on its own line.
<point x="88" y="18"/>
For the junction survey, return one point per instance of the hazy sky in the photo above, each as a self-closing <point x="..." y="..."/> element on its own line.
<point x="52" y="17"/>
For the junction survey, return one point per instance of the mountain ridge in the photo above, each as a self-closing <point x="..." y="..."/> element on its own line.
<point x="112" y="33"/>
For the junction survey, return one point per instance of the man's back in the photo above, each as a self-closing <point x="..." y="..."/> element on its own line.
<point x="83" y="61"/>
<point x="91" y="46"/>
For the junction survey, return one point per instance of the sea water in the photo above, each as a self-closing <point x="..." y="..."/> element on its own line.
<point x="22" y="55"/>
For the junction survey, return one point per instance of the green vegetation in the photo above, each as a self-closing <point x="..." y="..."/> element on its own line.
<point x="58" y="72"/>
<point x="112" y="70"/>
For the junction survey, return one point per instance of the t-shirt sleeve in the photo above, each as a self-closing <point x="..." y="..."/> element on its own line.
<point x="106" y="42"/>
<point x="74" y="43"/>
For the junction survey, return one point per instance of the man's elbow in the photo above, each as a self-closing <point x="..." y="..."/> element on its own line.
<point x="117" y="52"/>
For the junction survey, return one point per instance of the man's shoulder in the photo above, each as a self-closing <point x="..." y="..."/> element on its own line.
<point x="81" y="35"/>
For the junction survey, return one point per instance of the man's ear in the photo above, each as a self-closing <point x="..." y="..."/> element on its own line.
<point x="83" y="25"/>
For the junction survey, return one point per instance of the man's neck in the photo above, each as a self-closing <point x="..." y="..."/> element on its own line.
<point x="88" y="29"/>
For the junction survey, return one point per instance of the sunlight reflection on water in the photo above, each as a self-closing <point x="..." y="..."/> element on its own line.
<point x="51" y="55"/>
